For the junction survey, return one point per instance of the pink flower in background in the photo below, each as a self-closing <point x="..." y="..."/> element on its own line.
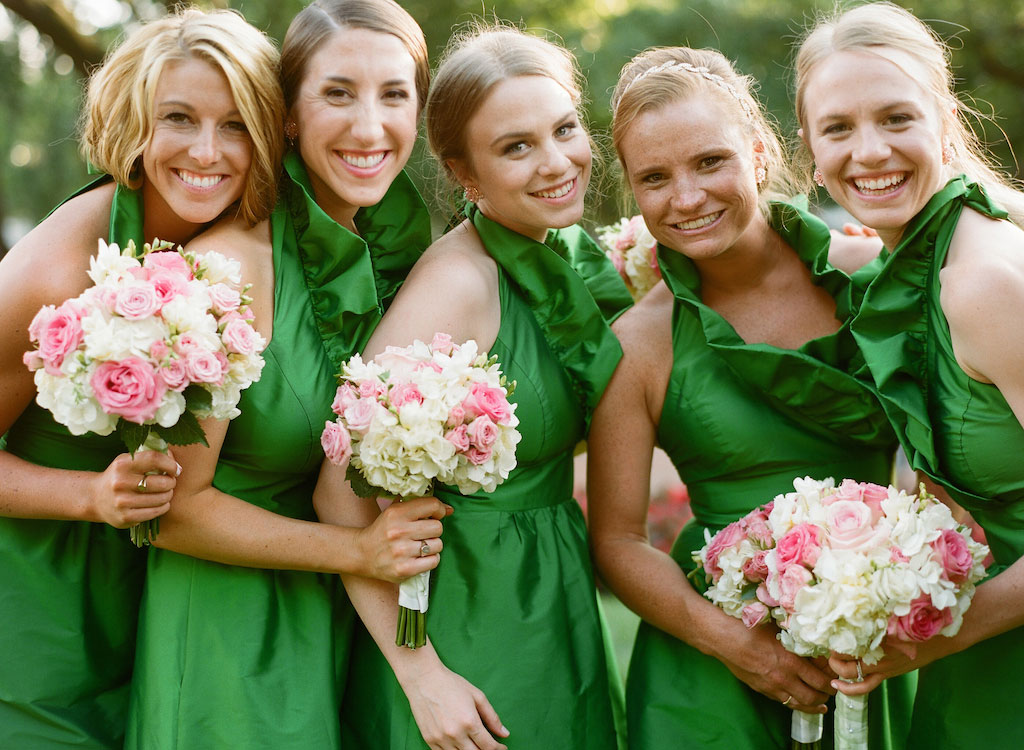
<point x="203" y="366"/>
<point x="241" y="338"/>
<point x="442" y="342"/>
<point x="478" y="456"/>
<point x="754" y="614"/>
<point x="359" y="416"/>
<point x="456" y="416"/>
<point x="755" y="568"/>
<point x="336" y="442"/>
<point x="59" y="332"/>
<point x="723" y="540"/>
<point x="405" y="393"/>
<point x="168" y="261"/>
<point x="850" y="525"/>
<point x="344" y="397"/>
<point x="952" y="552"/>
<point x="458" y="438"/>
<point x="168" y="285"/>
<point x="225" y="298"/>
<point x="801" y="545"/>
<point x="924" y="621"/>
<point x="489" y="401"/>
<point x="791" y="581"/>
<point x="128" y="389"/>
<point x="137" y="301"/>
<point x="174" y="374"/>
<point x="482" y="432"/>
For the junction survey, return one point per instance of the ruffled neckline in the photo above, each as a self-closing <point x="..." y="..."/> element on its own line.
<point x="573" y="312"/>
<point x="810" y="383"/>
<point x="352" y="278"/>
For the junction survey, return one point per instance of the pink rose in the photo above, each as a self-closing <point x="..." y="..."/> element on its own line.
<point x="922" y="621"/>
<point x="848" y="490"/>
<point x="32" y="360"/>
<point x="224" y="298"/>
<point x="240" y="337"/>
<point x="756" y="525"/>
<point x="620" y="264"/>
<point x="337" y="443"/>
<point x="458" y="438"/>
<point x="424" y="365"/>
<point x="405" y="393"/>
<point x="755" y="569"/>
<point x="128" y="388"/>
<point x="873" y="495"/>
<point x="174" y="374"/>
<point x="159" y="349"/>
<point x="396" y="360"/>
<point x="442" y="342"/>
<point x="482" y="432"/>
<point x="794" y="578"/>
<point x="952" y="552"/>
<point x="477" y="455"/>
<point x="800" y="546"/>
<point x="765" y="597"/>
<point x="168" y="285"/>
<point x="187" y="342"/>
<point x="359" y="416"/>
<point x="483" y="399"/>
<point x="370" y="388"/>
<point x="850" y="525"/>
<point x="203" y="366"/>
<point x="344" y="397"/>
<point x="896" y="555"/>
<point x="754" y="614"/>
<point x="170" y="261"/>
<point x="59" y="332"/>
<point x="456" y="416"/>
<point x="728" y="537"/>
<point x="137" y="301"/>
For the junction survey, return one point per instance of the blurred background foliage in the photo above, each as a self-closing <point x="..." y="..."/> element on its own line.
<point x="47" y="46"/>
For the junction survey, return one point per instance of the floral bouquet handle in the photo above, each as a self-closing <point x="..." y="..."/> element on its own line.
<point x="142" y="534"/>
<point x="806" y="731"/>
<point x="417" y="415"/>
<point x="851" y="721"/>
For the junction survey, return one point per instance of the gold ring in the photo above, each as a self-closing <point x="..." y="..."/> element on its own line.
<point x="786" y="702"/>
<point x="141" y="486"/>
<point x="424" y="549"/>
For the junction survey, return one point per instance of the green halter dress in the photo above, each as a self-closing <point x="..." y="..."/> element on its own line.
<point x="512" y="604"/>
<point x="962" y="434"/>
<point x="70" y="590"/>
<point x="740" y="421"/>
<point x="235" y="657"/>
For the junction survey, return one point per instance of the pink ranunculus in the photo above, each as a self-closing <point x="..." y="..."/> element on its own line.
<point x="169" y="260"/>
<point x="59" y="333"/>
<point x="168" y="285"/>
<point x="483" y="399"/>
<point x="405" y="393"/>
<point x="801" y="545"/>
<point x="731" y="535"/>
<point x="158" y="350"/>
<point x="765" y="597"/>
<point x="240" y="337"/>
<point x="478" y="455"/>
<point x="754" y="614"/>
<point x="757" y="528"/>
<point x="128" y="388"/>
<point x="922" y="622"/>
<point x="344" y="397"/>
<point x="850" y="526"/>
<point x="174" y="374"/>
<point x="848" y="490"/>
<point x="203" y="366"/>
<point x="873" y="495"/>
<point x="337" y="443"/>
<point x="755" y="568"/>
<point x="482" y="432"/>
<point x="359" y="416"/>
<point x="186" y="342"/>
<point x="137" y="301"/>
<point x="794" y="578"/>
<point x="952" y="553"/>
<point x="442" y="342"/>
<point x="896" y="555"/>
<point x="456" y="416"/>
<point x="370" y="388"/>
<point x="458" y="438"/>
<point x="224" y="298"/>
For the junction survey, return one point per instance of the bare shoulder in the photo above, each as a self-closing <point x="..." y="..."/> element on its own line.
<point x="984" y="269"/>
<point x="645" y="329"/>
<point x="851" y="253"/>
<point x="234" y="238"/>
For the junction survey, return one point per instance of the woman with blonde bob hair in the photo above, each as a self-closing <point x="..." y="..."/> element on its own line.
<point x="735" y="366"/>
<point x="940" y="331"/>
<point x="513" y="607"/>
<point x="185" y="115"/>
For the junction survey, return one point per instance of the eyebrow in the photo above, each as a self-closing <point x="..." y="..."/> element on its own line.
<point x="351" y="82"/>
<point x="525" y="133"/>
<point x="886" y="107"/>
<point x="186" y="105"/>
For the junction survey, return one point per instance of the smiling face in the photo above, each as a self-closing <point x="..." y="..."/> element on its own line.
<point x="528" y="156"/>
<point x="198" y="156"/>
<point x="691" y="165"/>
<point x="876" y="135"/>
<point x="356" y="113"/>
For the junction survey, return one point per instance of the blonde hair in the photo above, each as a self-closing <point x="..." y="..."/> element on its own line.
<point x="475" y="61"/>
<point x="895" y="34"/>
<point x="118" y="117"/>
<point x="661" y="76"/>
<point x="320" y="19"/>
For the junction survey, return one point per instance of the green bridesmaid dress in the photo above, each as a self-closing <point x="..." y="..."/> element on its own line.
<point x="962" y="434"/>
<point x="512" y="605"/>
<point x="236" y="657"/>
<point x="740" y="421"/>
<point x="70" y="592"/>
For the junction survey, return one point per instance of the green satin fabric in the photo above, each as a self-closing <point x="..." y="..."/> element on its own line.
<point x="963" y="434"/>
<point x="513" y="607"/>
<point x="739" y="422"/>
<point x="70" y="590"/>
<point x="233" y="657"/>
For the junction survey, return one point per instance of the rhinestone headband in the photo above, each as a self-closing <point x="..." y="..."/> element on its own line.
<point x="701" y="71"/>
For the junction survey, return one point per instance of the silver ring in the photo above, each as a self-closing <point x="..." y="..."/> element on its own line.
<point x="424" y="549"/>
<point x="786" y="702"/>
<point x="141" y="486"/>
<point x="860" y="672"/>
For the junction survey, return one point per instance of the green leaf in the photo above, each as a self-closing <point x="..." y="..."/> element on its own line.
<point x="185" y="432"/>
<point x="197" y="398"/>
<point x="359" y="484"/>
<point x="132" y="435"/>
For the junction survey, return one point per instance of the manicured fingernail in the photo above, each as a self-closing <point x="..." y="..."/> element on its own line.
<point x="835" y="684"/>
<point x="504" y="730"/>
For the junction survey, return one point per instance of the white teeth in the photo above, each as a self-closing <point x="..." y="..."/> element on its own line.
<point x="364" y="162"/>
<point x="880" y="183"/>
<point x="557" y="192"/>
<point x="198" y="180"/>
<point x="701" y="222"/>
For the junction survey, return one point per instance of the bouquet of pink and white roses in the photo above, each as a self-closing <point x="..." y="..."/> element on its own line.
<point x="839" y="568"/>
<point x="634" y="252"/>
<point x="416" y="415"/>
<point x="162" y="339"/>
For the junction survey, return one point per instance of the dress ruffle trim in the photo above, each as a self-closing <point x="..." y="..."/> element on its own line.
<point x="352" y="278"/>
<point x="810" y="383"/>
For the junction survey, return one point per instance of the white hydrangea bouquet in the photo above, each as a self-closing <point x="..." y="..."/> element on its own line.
<point x="162" y="339"/>
<point x="634" y="253"/>
<point x="838" y="569"/>
<point x="419" y="414"/>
